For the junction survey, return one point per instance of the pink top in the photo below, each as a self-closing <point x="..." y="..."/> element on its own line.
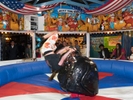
<point x="123" y="57"/>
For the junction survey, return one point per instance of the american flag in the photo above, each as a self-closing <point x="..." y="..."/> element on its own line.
<point x="110" y="6"/>
<point x="20" y="8"/>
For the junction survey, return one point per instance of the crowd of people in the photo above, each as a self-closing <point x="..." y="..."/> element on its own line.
<point x="118" y="53"/>
<point x="19" y="51"/>
<point x="23" y="51"/>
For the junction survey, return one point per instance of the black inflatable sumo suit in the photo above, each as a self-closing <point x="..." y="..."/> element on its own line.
<point x="79" y="75"/>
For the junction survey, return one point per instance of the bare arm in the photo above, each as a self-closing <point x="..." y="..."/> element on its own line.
<point x="61" y="62"/>
<point x="120" y="56"/>
<point x="113" y="53"/>
<point x="63" y="50"/>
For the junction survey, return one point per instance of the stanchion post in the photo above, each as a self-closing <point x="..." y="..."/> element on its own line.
<point x="88" y="44"/>
<point x="33" y="45"/>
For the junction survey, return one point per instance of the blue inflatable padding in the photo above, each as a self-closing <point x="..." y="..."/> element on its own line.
<point x="103" y="66"/>
<point x="122" y="68"/>
<point x="40" y="80"/>
<point x="129" y="70"/>
<point x="71" y="98"/>
<point x="118" y="67"/>
<point x="115" y="81"/>
<point x="12" y="72"/>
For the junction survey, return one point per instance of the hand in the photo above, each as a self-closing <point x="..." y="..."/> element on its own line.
<point x="109" y="58"/>
<point x="71" y="49"/>
<point x="117" y="58"/>
<point x="67" y="48"/>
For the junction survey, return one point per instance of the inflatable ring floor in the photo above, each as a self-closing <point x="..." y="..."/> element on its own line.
<point x="29" y="81"/>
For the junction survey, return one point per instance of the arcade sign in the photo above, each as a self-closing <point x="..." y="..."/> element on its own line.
<point x="67" y="11"/>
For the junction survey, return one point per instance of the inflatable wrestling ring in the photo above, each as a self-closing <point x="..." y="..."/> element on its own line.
<point x="29" y="81"/>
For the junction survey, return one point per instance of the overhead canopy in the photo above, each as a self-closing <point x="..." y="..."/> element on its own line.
<point x="96" y="7"/>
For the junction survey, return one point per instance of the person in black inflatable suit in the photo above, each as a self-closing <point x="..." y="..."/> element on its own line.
<point x="54" y="60"/>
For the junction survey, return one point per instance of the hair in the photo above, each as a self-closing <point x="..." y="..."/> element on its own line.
<point x="12" y="41"/>
<point x="101" y="45"/>
<point x="76" y="41"/>
<point x="118" y="50"/>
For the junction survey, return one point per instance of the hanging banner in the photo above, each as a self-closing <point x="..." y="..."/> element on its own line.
<point x="67" y="11"/>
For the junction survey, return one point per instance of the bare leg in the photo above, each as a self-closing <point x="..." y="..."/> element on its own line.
<point x="65" y="56"/>
<point x="49" y="34"/>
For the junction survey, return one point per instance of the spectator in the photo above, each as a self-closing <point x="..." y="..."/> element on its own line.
<point x="119" y="53"/>
<point x="22" y="51"/>
<point x="104" y="52"/>
<point x="28" y="51"/>
<point x="65" y="44"/>
<point x="84" y="49"/>
<point x="38" y="54"/>
<point x="12" y="51"/>
<point x="131" y="55"/>
<point x="59" y="46"/>
<point x="77" y="45"/>
<point x="70" y="44"/>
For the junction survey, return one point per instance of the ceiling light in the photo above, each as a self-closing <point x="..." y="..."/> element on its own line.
<point x="40" y="12"/>
<point x="38" y="8"/>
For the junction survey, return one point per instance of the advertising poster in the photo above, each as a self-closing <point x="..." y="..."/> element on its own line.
<point x="96" y="41"/>
<point x="114" y="40"/>
<point x="111" y="41"/>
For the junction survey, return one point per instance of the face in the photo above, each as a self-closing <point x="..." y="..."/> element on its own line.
<point x="76" y="42"/>
<point x="37" y="50"/>
<point x="29" y="45"/>
<point x="117" y="46"/>
<point x="84" y="46"/>
<point x="59" y="41"/>
<point x="12" y="43"/>
<point x="64" y="43"/>
<point x="132" y="49"/>
<point x="101" y="47"/>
